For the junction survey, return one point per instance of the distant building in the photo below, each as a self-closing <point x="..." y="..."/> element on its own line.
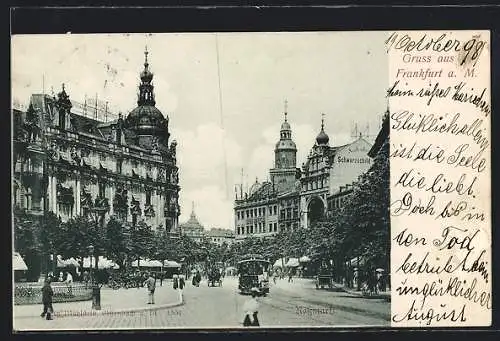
<point x="257" y="212"/>
<point x="192" y="228"/>
<point x="336" y="201"/>
<point x="221" y="236"/>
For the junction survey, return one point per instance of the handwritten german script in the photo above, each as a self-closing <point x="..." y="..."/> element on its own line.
<point x="439" y="111"/>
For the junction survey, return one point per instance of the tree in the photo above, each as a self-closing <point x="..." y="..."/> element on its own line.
<point x="50" y="236"/>
<point x="118" y="244"/>
<point x="363" y="224"/>
<point x="27" y="243"/>
<point x="141" y="241"/>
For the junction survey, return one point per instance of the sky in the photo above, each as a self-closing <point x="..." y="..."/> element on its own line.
<point x="223" y="93"/>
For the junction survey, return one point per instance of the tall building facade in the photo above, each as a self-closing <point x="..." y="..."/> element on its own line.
<point x="268" y="207"/>
<point x="73" y="165"/>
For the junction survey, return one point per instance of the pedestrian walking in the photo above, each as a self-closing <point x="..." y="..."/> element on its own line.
<point x="251" y="310"/>
<point x="161" y="278"/>
<point x="182" y="284"/>
<point x="175" y="279"/>
<point x="47" y="294"/>
<point x="150" y="283"/>
<point x="86" y="278"/>
<point x="69" y="283"/>
<point x="290" y="277"/>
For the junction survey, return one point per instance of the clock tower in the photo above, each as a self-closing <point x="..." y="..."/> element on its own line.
<point x="283" y="175"/>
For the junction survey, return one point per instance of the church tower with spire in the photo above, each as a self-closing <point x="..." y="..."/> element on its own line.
<point x="283" y="174"/>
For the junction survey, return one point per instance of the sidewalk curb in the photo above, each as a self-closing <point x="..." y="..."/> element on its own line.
<point x="354" y="293"/>
<point x="179" y="303"/>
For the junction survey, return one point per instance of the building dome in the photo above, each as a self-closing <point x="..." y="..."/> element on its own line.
<point x="286" y="145"/>
<point x="322" y="138"/>
<point x="285" y="126"/>
<point x="193" y="222"/>
<point x="146" y="119"/>
<point x="285" y="142"/>
<point x="146" y="75"/>
<point x="255" y="187"/>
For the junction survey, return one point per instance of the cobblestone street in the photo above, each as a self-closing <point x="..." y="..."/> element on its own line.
<point x="296" y="304"/>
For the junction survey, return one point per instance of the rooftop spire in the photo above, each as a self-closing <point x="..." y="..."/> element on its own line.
<point x="146" y="95"/>
<point x="286" y="109"/>
<point x="322" y="122"/>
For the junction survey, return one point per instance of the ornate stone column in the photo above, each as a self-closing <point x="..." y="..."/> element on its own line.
<point x="50" y="198"/>
<point x="54" y="195"/>
<point x="111" y="200"/>
<point x="77" y="210"/>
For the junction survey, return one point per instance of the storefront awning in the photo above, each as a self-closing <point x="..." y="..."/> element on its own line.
<point x="171" y="264"/>
<point x="18" y="262"/>
<point x="292" y="263"/>
<point x="103" y="263"/>
<point x="146" y="263"/>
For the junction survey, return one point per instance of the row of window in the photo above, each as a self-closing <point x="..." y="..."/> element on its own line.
<point x="316" y="184"/>
<point x="337" y="202"/>
<point x="316" y="163"/>
<point x="289" y="213"/>
<point x="257" y="228"/>
<point x="256" y="212"/>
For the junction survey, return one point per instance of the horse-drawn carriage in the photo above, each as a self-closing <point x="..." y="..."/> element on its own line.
<point x="214" y="277"/>
<point x="324" y="278"/>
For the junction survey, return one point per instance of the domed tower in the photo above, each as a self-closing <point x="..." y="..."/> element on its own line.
<point x="146" y="121"/>
<point x="285" y="158"/>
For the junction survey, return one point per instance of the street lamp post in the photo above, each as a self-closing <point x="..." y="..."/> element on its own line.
<point x="96" y="291"/>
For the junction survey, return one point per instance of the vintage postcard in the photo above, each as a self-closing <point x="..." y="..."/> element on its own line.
<point x="251" y="180"/>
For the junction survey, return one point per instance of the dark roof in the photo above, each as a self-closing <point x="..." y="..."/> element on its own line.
<point x="264" y="191"/>
<point x="85" y="124"/>
<point x="291" y="193"/>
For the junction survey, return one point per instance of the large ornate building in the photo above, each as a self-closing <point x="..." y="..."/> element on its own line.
<point x="295" y="198"/>
<point x="327" y="171"/>
<point x="73" y="165"/>
<point x="270" y="206"/>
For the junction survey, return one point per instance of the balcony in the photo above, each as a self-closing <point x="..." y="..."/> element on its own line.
<point x="101" y="205"/>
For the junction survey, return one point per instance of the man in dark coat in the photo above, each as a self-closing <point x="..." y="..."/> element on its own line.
<point x="150" y="283"/>
<point x="47" y="294"/>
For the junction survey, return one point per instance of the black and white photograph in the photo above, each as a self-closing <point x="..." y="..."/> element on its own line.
<point x="200" y="180"/>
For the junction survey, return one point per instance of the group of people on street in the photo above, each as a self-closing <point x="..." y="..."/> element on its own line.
<point x="250" y="307"/>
